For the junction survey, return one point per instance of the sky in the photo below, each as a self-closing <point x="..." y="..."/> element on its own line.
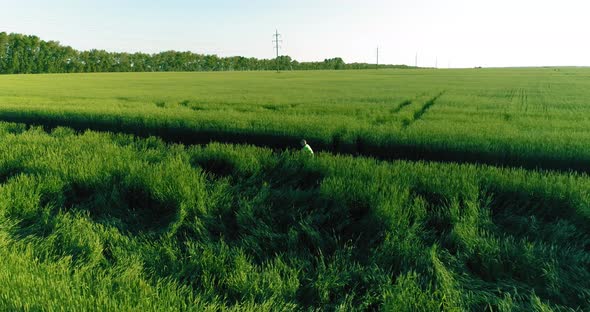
<point x="446" y="33"/>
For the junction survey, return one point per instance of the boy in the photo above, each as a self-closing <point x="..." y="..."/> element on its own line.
<point x="306" y="148"/>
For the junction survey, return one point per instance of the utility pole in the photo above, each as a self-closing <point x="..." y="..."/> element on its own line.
<point x="377" y="66"/>
<point x="416" y="60"/>
<point x="436" y="62"/>
<point x="276" y="41"/>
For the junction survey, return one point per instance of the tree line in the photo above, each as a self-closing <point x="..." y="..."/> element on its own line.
<point x="25" y="54"/>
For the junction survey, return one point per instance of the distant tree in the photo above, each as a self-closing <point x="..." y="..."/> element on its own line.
<point x="4" y="47"/>
<point x="21" y="54"/>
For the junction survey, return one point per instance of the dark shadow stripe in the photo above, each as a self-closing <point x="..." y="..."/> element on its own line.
<point x="390" y="149"/>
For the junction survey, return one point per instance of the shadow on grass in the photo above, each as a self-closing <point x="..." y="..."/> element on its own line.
<point x="131" y="209"/>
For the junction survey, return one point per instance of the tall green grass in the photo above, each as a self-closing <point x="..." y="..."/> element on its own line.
<point x="532" y="118"/>
<point x="113" y="222"/>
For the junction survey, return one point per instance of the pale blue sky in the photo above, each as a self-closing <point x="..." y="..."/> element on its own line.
<point x="460" y="33"/>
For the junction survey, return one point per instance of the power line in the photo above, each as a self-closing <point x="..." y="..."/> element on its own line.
<point x="276" y="41"/>
<point x="377" y="65"/>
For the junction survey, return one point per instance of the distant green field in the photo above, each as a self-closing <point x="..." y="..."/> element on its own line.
<point x="524" y="117"/>
<point x="121" y="221"/>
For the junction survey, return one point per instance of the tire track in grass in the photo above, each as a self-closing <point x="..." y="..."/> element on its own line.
<point x="420" y="112"/>
<point x="391" y="118"/>
<point x="526" y="101"/>
<point x="400" y="106"/>
<point x="519" y="98"/>
<point x="388" y="118"/>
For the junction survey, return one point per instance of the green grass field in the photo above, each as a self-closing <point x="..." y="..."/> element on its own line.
<point x="516" y="117"/>
<point x="452" y="190"/>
